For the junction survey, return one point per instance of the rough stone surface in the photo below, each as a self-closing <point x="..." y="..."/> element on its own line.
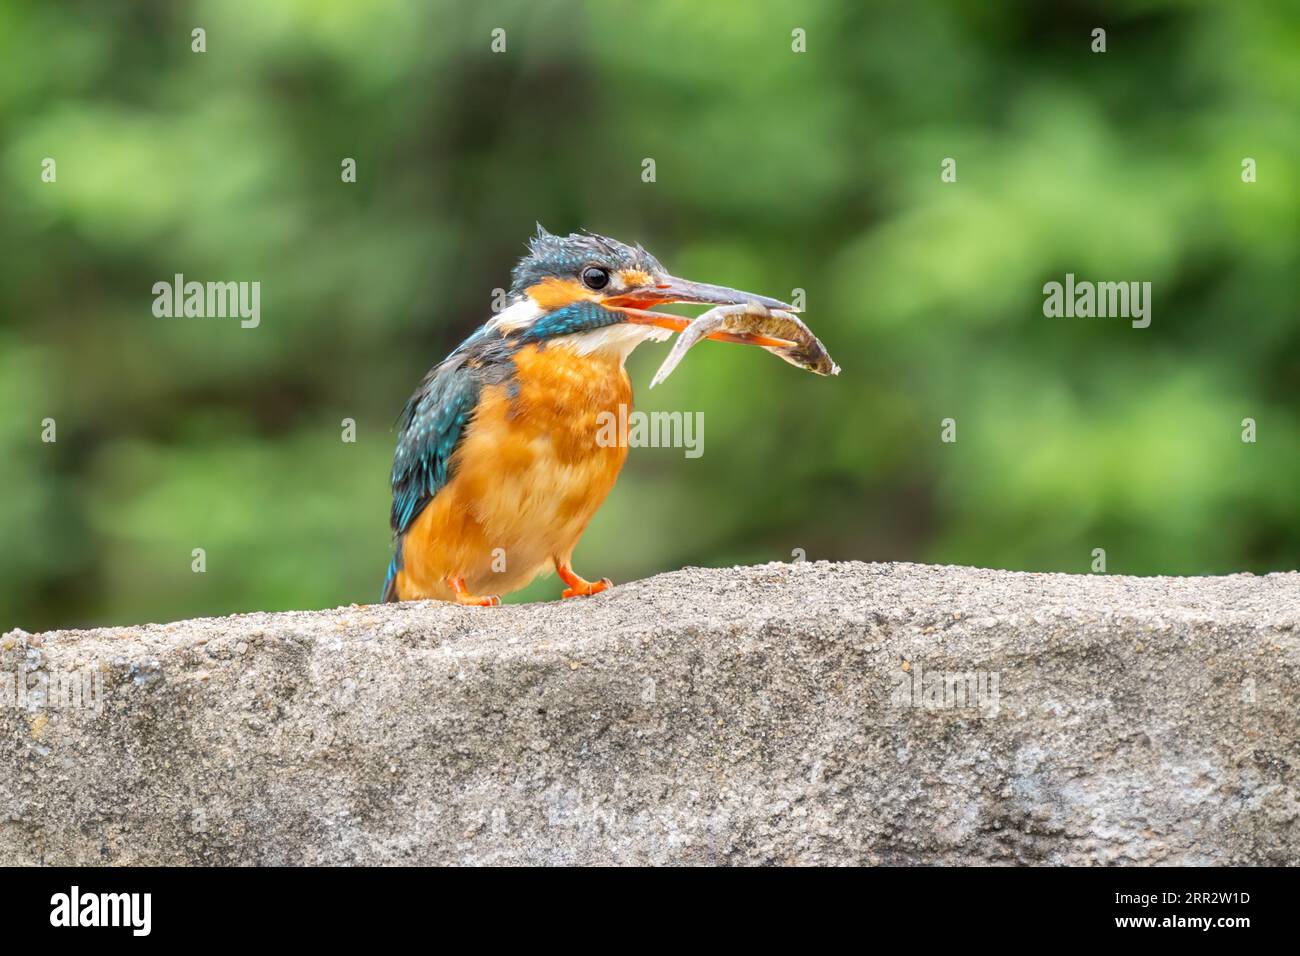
<point x="750" y="715"/>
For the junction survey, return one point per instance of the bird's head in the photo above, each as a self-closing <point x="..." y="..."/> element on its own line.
<point x="583" y="284"/>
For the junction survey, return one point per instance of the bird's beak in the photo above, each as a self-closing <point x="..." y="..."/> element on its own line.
<point x="634" y="304"/>
<point x="672" y="289"/>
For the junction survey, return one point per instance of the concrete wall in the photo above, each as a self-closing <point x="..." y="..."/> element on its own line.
<point x="798" y="713"/>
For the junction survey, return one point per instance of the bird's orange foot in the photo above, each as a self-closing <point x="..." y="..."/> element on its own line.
<point x="579" y="586"/>
<point x="457" y="585"/>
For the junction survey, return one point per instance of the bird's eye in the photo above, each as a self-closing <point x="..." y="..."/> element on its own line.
<point x="594" y="277"/>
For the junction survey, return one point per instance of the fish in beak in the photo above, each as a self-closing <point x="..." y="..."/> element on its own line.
<point x="636" y="303"/>
<point x="760" y="325"/>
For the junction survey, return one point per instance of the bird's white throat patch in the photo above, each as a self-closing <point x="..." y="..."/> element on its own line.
<point x="618" y="340"/>
<point x="517" y="316"/>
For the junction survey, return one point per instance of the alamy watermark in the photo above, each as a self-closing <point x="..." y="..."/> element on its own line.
<point x="975" y="691"/>
<point x="40" y="690"/>
<point x="75" y="908"/>
<point x="1104" y="300"/>
<point x="630" y="429"/>
<point x="209" y="300"/>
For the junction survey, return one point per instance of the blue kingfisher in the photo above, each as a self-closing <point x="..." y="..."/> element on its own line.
<point x="498" y="469"/>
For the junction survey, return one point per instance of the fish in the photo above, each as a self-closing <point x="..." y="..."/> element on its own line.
<point x="781" y="333"/>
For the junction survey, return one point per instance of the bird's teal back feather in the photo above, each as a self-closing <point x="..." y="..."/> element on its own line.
<point x="434" y="419"/>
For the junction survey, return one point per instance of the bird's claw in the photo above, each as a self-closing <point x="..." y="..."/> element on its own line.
<point x="587" y="588"/>
<point x="578" y="586"/>
<point x="584" y="588"/>
<point x="465" y="599"/>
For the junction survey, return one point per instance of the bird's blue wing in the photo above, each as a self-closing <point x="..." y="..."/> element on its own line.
<point x="431" y="427"/>
<point x="431" y="424"/>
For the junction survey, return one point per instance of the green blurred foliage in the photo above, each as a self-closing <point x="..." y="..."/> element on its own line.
<point x="775" y="170"/>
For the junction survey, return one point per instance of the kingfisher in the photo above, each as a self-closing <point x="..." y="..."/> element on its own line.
<point x="498" y="468"/>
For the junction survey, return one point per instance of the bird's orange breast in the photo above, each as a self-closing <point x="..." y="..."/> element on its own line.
<point x="528" y="475"/>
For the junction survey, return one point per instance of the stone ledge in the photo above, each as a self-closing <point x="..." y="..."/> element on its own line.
<point x="788" y="713"/>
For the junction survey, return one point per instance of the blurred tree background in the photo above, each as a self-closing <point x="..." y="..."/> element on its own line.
<point x="774" y="170"/>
